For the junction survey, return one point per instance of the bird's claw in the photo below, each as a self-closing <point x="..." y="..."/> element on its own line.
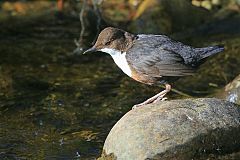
<point x="137" y="105"/>
<point x="164" y="99"/>
<point x="142" y="104"/>
<point x="160" y="99"/>
<point x="134" y="107"/>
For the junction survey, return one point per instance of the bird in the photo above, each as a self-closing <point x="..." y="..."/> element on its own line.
<point x="151" y="59"/>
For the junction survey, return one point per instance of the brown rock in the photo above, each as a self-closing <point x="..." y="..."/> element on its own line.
<point x="231" y="91"/>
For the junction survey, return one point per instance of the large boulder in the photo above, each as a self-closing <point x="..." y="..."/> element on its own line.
<point x="178" y="129"/>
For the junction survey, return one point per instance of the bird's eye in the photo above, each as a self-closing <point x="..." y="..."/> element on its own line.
<point x="107" y="43"/>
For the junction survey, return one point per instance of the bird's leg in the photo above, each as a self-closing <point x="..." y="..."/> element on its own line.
<point x="162" y="98"/>
<point x="155" y="98"/>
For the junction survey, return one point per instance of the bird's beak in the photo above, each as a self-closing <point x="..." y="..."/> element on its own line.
<point x="90" y="50"/>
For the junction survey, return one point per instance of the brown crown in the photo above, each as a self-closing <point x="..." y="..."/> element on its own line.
<point x="114" y="38"/>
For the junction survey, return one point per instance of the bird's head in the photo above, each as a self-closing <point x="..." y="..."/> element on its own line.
<point x="112" y="39"/>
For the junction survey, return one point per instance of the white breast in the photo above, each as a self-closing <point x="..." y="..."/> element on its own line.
<point x="120" y="59"/>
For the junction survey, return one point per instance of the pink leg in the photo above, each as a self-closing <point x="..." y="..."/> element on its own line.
<point x="155" y="98"/>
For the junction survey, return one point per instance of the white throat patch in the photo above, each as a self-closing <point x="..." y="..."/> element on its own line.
<point x="120" y="59"/>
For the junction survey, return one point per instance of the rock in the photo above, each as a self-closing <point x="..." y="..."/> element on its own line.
<point x="162" y="17"/>
<point x="178" y="129"/>
<point x="231" y="92"/>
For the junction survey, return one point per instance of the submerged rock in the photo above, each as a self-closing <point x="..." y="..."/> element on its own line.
<point x="6" y="82"/>
<point x="231" y="92"/>
<point x="179" y="129"/>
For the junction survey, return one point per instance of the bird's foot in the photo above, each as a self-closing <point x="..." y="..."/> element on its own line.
<point x="160" y="99"/>
<point x="156" y="98"/>
<point x="147" y="102"/>
<point x="164" y="99"/>
<point x="138" y="105"/>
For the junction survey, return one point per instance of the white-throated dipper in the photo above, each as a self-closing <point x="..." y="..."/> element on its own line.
<point x="151" y="59"/>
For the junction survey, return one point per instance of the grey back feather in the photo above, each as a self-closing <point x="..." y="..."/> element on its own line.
<point x="158" y="55"/>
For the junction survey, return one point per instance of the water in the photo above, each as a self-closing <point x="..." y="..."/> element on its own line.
<point x="57" y="105"/>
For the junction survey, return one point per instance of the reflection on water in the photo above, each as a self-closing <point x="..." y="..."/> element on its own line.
<point x="56" y="105"/>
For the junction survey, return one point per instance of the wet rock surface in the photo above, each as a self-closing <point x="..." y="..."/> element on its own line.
<point x="179" y="129"/>
<point x="231" y="91"/>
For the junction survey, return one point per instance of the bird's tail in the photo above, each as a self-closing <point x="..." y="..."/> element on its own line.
<point x="208" y="51"/>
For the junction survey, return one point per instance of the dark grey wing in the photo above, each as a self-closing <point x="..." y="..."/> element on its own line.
<point x="191" y="56"/>
<point x="150" y="58"/>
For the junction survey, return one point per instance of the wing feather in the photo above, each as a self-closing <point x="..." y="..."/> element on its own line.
<point x="156" y="61"/>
